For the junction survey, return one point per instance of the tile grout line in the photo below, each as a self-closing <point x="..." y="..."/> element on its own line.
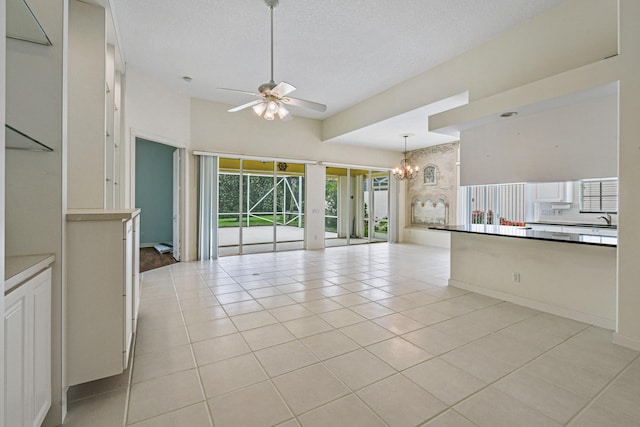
<point x="604" y="389"/>
<point x="193" y="355"/>
<point x="337" y="329"/>
<point x="157" y="351"/>
<point x="361" y="347"/>
<point x="519" y="368"/>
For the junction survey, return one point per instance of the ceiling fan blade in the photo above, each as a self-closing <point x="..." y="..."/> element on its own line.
<point x="239" y="91"/>
<point x="247" y="105"/>
<point x="305" y="104"/>
<point x="282" y="89"/>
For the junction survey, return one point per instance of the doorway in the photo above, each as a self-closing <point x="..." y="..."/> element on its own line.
<point x="157" y="194"/>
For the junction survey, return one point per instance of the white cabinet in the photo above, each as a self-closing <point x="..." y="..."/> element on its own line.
<point x="101" y="307"/>
<point x="15" y="355"/>
<point x="557" y="228"/>
<point x="546" y="227"/>
<point x="27" y="347"/>
<point x="554" y="192"/>
<point x="596" y="231"/>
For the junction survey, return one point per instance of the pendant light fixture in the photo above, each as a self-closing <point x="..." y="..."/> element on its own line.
<point x="406" y="170"/>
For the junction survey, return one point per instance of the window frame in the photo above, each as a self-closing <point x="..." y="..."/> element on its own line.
<point x="600" y="196"/>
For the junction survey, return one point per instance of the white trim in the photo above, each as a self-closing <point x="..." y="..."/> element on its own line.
<point x="246" y="157"/>
<point x="352" y="166"/>
<point x="151" y="137"/>
<point x="626" y="341"/>
<point x="279" y="159"/>
<point x="537" y="305"/>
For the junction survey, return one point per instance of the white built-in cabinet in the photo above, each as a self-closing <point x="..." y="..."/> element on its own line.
<point x="554" y="192"/>
<point x="94" y="111"/>
<point x="102" y="292"/>
<point x="27" y="351"/>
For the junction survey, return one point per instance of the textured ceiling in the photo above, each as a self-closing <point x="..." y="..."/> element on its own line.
<point x="336" y="52"/>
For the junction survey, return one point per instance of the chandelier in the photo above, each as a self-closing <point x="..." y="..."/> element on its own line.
<point x="406" y="170"/>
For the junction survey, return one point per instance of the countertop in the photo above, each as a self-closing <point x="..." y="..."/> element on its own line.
<point x="527" y="233"/>
<point x="19" y="268"/>
<point x="101" y="214"/>
<point x="575" y="224"/>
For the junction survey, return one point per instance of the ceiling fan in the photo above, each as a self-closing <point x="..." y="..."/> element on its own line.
<point x="272" y="97"/>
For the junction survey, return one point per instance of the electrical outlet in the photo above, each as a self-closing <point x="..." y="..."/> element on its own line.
<point x="516" y="277"/>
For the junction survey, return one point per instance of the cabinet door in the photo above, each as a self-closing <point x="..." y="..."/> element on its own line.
<point x="16" y="359"/>
<point x="40" y="295"/>
<point x="550" y="192"/>
<point x="128" y="290"/>
<point x="136" y="271"/>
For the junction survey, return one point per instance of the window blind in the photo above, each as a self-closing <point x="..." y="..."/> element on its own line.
<point x="599" y="196"/>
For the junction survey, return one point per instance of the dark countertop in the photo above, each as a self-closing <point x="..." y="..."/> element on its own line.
<point x="576" y="224"/>
<point x="527" y="233"/>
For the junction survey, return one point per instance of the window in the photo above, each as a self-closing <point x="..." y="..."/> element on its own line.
<point x="502" y="204"/>
<point x="430" y="173"/>
<point x="599" y="195"/>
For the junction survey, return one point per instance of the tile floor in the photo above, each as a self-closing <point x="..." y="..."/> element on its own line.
<point x="354" y="336"/>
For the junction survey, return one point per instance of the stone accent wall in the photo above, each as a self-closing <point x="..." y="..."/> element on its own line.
<point x="439" y="183"/>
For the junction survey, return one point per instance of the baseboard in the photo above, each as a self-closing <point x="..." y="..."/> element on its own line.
<point x="625" y="341"/>
<point x="537" y="305"/>
<point x="424" y="236"/>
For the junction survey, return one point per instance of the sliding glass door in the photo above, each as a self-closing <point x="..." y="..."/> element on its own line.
<point x="260" y="206"/>
<point x="336" y="224"/>
<point x="258" y="233"/>
<point x="230" y="206"/>
<point x="289" y="211"/>
<point x="377" y="192"/>
<point x="356" y="206"/>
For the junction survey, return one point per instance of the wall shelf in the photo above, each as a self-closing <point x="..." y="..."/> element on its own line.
<point x="17" y="140"/>
<point x="23" y="25"/>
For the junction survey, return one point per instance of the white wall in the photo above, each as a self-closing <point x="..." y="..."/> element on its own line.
<point x="315" y="176"/>
<point x="215" y="129"/>
<point x="568" y="279"/>
<point x="628" y="327"/>
<point x="561" y="144"/>
<point x="86" y="107"/>
<point x="34" y="182"/>
<point x="574" y="34"/>
<point x="154" y="109"/>
<point x="2" y="179"/>
<point x="159" y="113"/>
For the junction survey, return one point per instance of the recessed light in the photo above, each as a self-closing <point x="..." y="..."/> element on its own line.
<point x="509" y="114"/>
<point x="187" y="79"/>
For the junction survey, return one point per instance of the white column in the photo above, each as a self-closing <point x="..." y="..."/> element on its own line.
<point x="628" y="319"/>
<point x="314" y="206"/>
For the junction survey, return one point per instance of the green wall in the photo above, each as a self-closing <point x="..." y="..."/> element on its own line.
<point x="154" y="191"/>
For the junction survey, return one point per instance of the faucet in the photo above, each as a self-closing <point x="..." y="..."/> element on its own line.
<point x="606" y="217"/>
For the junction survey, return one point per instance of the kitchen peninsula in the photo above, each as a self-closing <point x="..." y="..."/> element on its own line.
<point x="568" y="274"/>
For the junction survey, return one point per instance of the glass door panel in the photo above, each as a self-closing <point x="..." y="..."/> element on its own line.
<point x="379" y="210"/>
<point x="358" y="207"/>
<point x="258" y="234"/>
<point x="229" y="204"/>
<point x="336" y="214"/>
<point x="289" y="206"/>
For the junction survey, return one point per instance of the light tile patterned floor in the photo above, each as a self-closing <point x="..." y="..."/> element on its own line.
<point x="355" y="336"/>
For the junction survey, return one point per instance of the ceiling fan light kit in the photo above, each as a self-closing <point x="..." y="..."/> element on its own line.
<point x="272" y="97"/>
